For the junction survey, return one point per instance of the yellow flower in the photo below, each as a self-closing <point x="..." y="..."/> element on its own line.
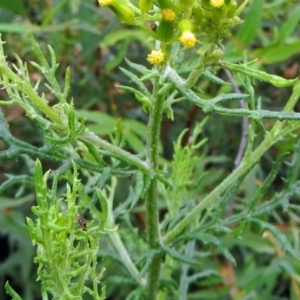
<point x="216" y="3"/>
<point x="188" y="39"/>
<point x="156" y="57"/>
<point x="168" y="14"/>
<point x="105" y="2"/>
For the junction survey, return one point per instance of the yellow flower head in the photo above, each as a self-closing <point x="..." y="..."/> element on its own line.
<point x="188" y="39"/>
<point x="168" y="14"/>
<point x="216" y="3"/>
<point x="156" y="57"/>
<point x="105" y="2"/>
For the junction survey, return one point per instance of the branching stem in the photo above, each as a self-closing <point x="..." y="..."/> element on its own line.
<point x="275" y="134"/>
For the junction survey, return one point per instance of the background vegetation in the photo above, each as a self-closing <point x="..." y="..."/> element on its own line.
<point x="93" y="43"/>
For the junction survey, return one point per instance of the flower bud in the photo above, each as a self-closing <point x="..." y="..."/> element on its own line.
<point x="168" y="4"/>
<point x="185" y="25"/>
<point x="105" y="2"/>
<point x="145" y="5"/>
<point x="216" y="54"/>
<point x="122" y="11"/>
<point x="168" y="14"/>
<point x="156" y="57"/>
<point x="231" y="8"/>
<point x="187" y="38"/>
<point x="216" y="3"/>
<point x="165" y="31"/>
<point x="197" y="11"/>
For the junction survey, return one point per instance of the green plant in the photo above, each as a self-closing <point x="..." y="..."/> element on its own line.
<point x="167" y="261"/>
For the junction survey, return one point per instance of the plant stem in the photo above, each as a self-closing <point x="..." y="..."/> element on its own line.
<point x="152" y="229"/>
<point x="126" y="259"/>
<point x="271" y="138"/>
<point x="124" y="155"/>
<point x="27" y="89"/>
<point x="117" y="242"/>
<point x="193" y="77"/>
<point x="210" y="105"/>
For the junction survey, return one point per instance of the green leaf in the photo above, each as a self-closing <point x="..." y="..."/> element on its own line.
<point x="140" y="68"/>
<point x="123" y="34"/>
<point x="136" y="294"/>
<point x="248" y="30"/>
<point x="134" y="141"/>
<point x="290" y="266"/>
<point x="206" y="273"/>
<point x="213" y="78"/>
<point x="149" y="258"/>
<point x="133" y="131"/>
<point x="51" y="11"/>
<point x="133" y="197"/>
<point x="120" y="280"/>
<point x="210" y="239"/>
<point x="12" y="292"/>
<point x="135" y="79"/>
<point x="294" y="166"/>
<point x="7" y="202"/>
<point x="274" y="53"/>
<point x="285" y="244"/>
<point x="138" y="188"/>
<point x="16" y="6"/>
<point x="104" y="123"/>
<point x="137" y="127"/>
<point x="117" y="59"/>
<point x="180" y="257"/>
<point x="104" y="208"/>
<point x="104" y="177"/>
<point x="249" y="240"/>
<point x="289" y="26"/>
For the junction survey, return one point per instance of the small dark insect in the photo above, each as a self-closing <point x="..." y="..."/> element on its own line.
<point x="153" y="27"/>
<point x="81" y="221"/>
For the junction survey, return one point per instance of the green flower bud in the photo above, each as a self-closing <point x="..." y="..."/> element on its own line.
<point x="122" y="11"/>
<point x="168" y="4"/>
<point x="233" y="21"/>
<point x="231" y="9"/>
<point x="200" y="19"/>
<point x="213" y="9"/>
<point x="185" y="25"/>
<point x="216" y="54"/>
<point x="187" y="37"/>
<point x="197" y="12"/>
<point x="145" y="5"/>
<point x="165" y="31"/>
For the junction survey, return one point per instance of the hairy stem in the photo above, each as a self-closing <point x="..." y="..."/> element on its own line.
<point x="151" y="200"/>
<point x="118" y="152"/>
